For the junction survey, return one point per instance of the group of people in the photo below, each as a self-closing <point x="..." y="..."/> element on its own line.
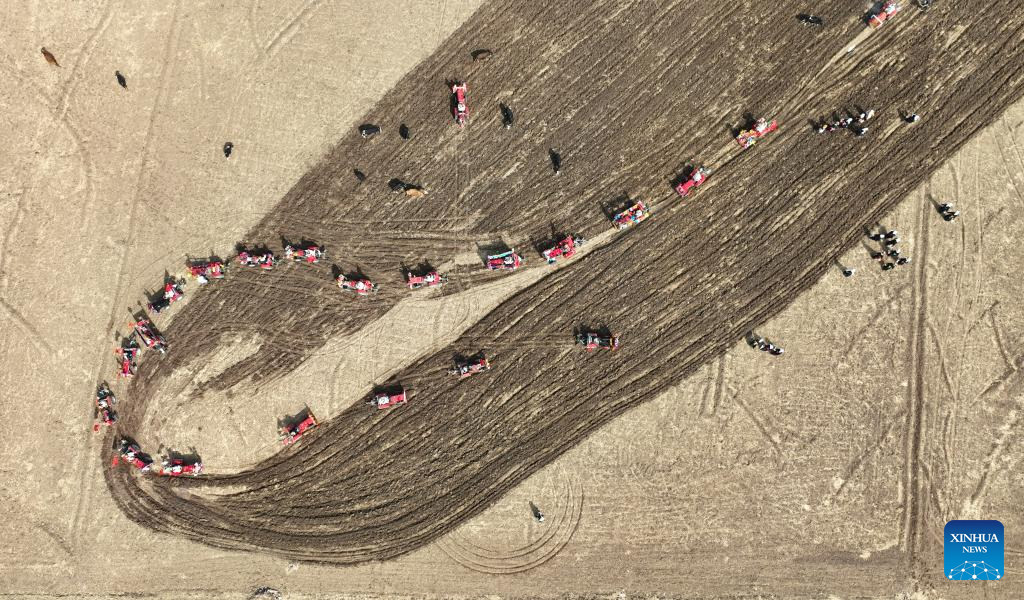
<point x="858" y="125"/>
<point x="889" y="255"/>
<point x="948" y="212"/>
<point x="763" y="345"/>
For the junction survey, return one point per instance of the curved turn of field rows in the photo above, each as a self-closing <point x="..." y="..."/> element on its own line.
<point x="562" y="518"/>
<point x="630" y="92"/>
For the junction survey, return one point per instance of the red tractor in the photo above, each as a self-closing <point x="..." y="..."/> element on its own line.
<point x="176" y="467"/>
<point x="127" y="354"/>
<point x="389" y="399"/>
<point x="506" y="261"/>
<point x="150" y="338"/>
<point x="172" y="293"/>
<point x="132" y="454"/>
<point x="291" y="433"/>
<point x="748" y="137"/>
<point x="459" y="109"/>
<point x="467" y="367"/>
<point x="360" y="285"/>
<point x="637" y="213"/>
<point x="429" y="279"/>
<point x="697" y="177"/>
<point x="105" y="405"/>
<point x="264" y="261"/>
<point x="565" y="248"/>
<point x="204" y="271"/>
<point x="598" y="341"/>
<point x="886" y="12"/>
<point x="309" y="254"/>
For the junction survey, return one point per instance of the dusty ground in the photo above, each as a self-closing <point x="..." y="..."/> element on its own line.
<point x="755" y="476"/>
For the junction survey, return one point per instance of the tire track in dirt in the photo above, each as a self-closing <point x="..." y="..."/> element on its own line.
<point x="59" y="112"/>
<point x="60" y="118"/>
<point x="78" y="523"/>
<point x="714" y="387"/>
<point x="144" y="166"/>
<point x="560" y="525"/>
<point x="681" y="287"/>
<point x="64" y="104"/>
<point x="295" y="22"/>
<point x="992" y="466"/>
<point x="949" y="437"/>
<point x="915" y="429"/>
<point x="862" y="457"/>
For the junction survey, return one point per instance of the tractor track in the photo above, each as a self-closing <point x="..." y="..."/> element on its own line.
<point x="680" y="288"/>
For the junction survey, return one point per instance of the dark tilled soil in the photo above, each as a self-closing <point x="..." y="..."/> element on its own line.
<point x="629" y="93"/>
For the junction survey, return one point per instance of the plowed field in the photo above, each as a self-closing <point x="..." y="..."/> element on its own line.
<point x="630" y="93"/>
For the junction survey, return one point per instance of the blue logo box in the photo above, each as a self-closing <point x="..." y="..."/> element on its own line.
<point x="973" y="550"/>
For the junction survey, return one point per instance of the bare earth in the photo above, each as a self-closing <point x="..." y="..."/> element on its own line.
<point x="830" y="470"/>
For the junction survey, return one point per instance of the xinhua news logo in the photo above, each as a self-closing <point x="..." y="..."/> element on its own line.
<point x="973" y="550"/>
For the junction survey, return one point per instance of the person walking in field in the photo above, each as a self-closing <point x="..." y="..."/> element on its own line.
<point x="507" y="116"/>
<point x="556" y="160"/>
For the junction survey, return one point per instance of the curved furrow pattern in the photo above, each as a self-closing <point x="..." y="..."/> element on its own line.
<point x="648" y="89"/>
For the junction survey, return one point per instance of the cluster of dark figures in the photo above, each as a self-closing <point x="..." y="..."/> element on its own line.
<point x="816" y="21"/>
<point x="759" y="343"/>
<point x="888" y="255"/>
<point x="948" y="212"/>
<point x="857" y="124"/>
<point x="811" y="20"/>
